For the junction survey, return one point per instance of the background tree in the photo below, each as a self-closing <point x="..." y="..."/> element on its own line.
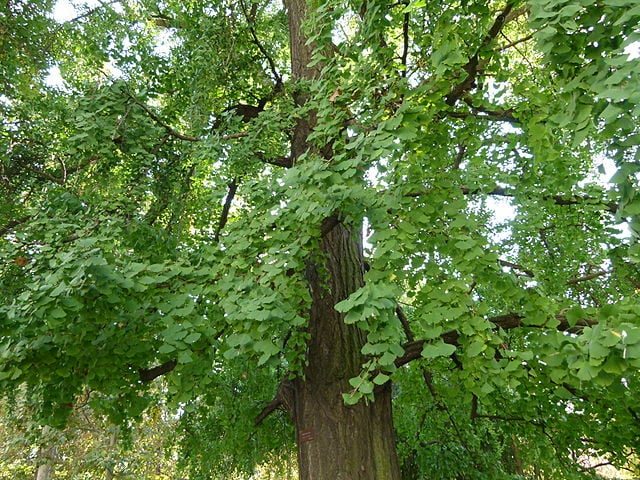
<point x="277" y="207"/>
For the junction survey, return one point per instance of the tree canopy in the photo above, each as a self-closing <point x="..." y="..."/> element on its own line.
<point x="406" y="200"/>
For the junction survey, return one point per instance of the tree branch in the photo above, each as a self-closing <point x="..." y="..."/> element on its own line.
<point x="272" y="65"/>
<point x="405" y="323"/>
<point x="610" y="207"/>
<point x="586" y="278"/>
<point x="91" y="11"/>
<point x="149" y="374"/>
<point x="472" y="66"/>
<point x="515" y="42"/>
<point x="14" y="223"/>
<point x="508" y="321"/>
<point x="405" y="42"/>
<point x="284" y="398"/>
<point x="500" y="115"/>
<point x="233" y="187"/>
<point x="155" y="118"/>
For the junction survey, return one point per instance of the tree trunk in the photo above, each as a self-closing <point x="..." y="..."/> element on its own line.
<point x="335" y="442"/>
<point x="111" y="444"/>
<point x="45" y="471"/>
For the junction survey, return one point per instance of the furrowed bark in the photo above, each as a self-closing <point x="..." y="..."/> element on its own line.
<point x="335" y="441"/>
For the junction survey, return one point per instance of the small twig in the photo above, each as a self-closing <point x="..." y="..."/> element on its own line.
<point x="514" y="42"/>
<point x="90" y="12"/>
<point x="155" y="118"/>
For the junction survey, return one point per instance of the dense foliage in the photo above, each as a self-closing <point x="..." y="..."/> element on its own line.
<point x="155" y="221"/>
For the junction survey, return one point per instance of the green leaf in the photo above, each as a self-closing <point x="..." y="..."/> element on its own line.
<point x="185" y="356"/>
<point x="475" y="348"/>
<point x="381" y="379"/>
<point x="366" y="387"/>
<point x="351" y="398"/>
<point x="166" y="348"/>
<point x="239" y="339"/>
<point x="414" y="5"/>
<point x="192" y="337"/>
<point x="57" y="312"/>
<point x="439" y="349"/>
<point x="597" y="350"/>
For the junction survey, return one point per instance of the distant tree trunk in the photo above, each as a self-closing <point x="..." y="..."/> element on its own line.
<point x="113" y="439"/>
<point x="45" y="471"/>
<point x="335" y="442"/>
<point x="515" y="456"/>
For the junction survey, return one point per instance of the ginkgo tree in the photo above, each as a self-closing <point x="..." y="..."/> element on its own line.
<point x="300" y="207"/>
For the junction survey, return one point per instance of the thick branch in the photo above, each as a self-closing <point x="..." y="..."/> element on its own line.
<point x="233" y="187"/>
<point x="284" y="399"/>
<point x="508" y="321"/>
<point x="149" y="374"/>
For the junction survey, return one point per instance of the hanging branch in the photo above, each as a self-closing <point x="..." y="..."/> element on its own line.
<point x="405" y="42"/>
<point x="174" y="133"/>
<point x="472" y="68"/>
<point x="155" y="118"/>
<point x="233" y="187"/>
<point x="250" y="18"/>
